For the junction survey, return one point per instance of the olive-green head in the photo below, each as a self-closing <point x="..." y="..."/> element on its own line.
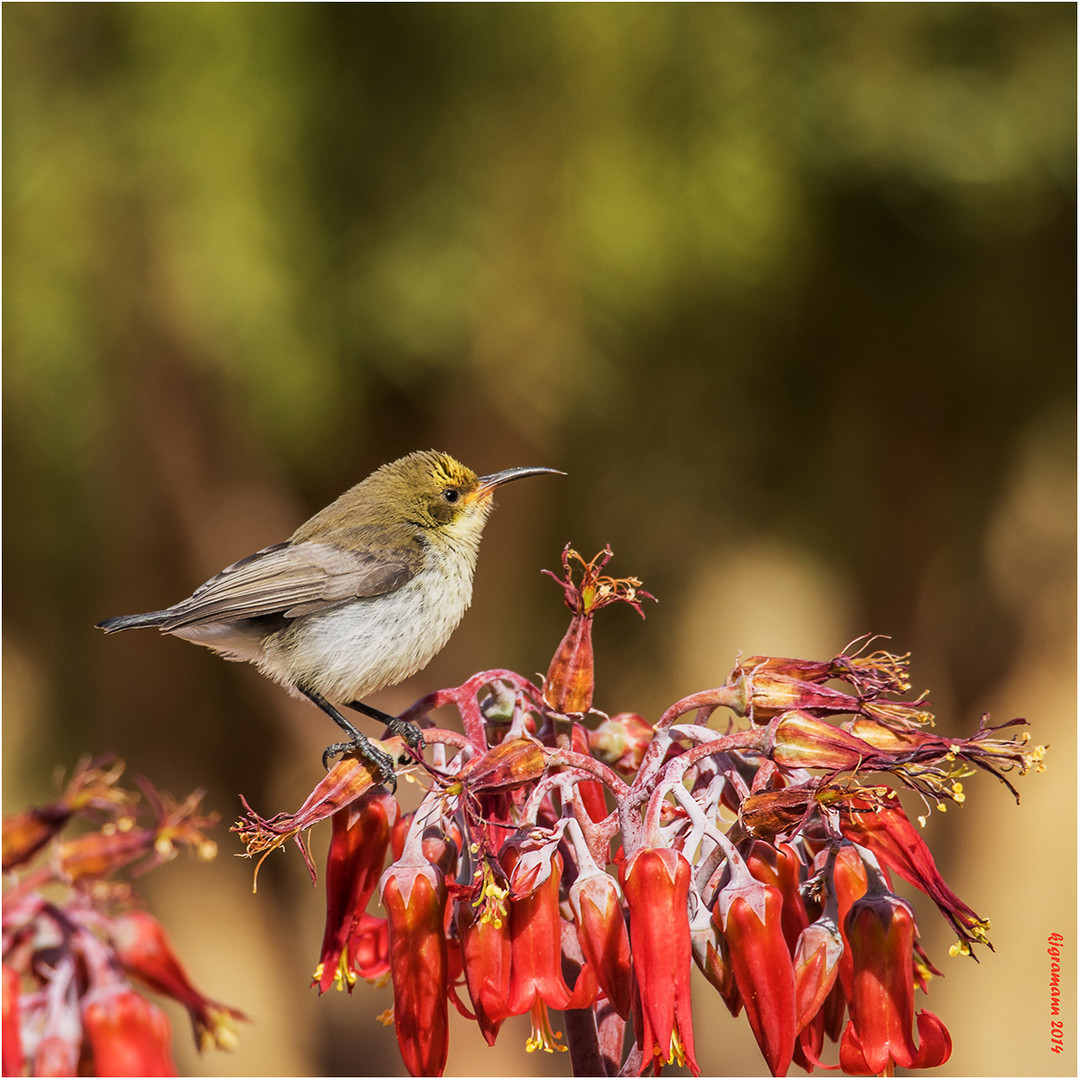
<point x="428" y="489"/>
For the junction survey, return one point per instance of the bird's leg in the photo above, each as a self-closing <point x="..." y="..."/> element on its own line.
<point x="357" y="741"/>
<point x="408" y="731"/>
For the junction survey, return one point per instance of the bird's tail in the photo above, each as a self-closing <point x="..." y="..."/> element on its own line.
<point x="132" y="622"/>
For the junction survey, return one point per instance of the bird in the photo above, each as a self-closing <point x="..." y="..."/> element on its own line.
<point x="361" y="596"/>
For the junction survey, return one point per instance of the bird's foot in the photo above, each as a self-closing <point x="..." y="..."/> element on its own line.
<point x="408" y="731"/>
<point x="405" y="728"/>
<point x="364" y="748"/>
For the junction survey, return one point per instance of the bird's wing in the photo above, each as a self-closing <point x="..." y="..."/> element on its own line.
<point x="289" y="579"/>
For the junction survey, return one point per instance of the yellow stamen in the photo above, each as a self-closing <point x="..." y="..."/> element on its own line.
<point x="543" y="1037"/>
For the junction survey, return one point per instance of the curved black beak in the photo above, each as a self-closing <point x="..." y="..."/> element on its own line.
<point x="487" y="484"/>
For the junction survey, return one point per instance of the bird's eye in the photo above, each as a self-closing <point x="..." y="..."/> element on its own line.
<point x="451" y="495"/>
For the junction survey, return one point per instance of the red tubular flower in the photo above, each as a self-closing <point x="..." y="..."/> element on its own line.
<point x="816" y="964"/>
<point x="414" y="896"/>
<point x="354" y="862"/>
<point x="601" y="931"/>
<point x="486" y="959"/>
<point x="12" y="1043"/>
<point x="779" y="865"/>
<point x="884" y="828"/>
<point x="536" y="978"/>
<point x="126" y="1034"/>
<point x="484" y="935"/>
<point x="750" y="915"/>
<point x="656" y="883"/>
<point x="881" y="930"/>
<point x="847" y="876"/>
<point x="145" y="951"/>
<point x="368" y="948"/>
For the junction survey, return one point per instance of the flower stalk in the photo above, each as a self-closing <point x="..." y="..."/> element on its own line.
<point x="562" y="861"/>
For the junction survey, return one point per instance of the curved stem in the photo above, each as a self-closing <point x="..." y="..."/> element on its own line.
<point x="447" y="737"/>
<point x="705" y="702"/>
<point x="749" y="739"/>
<point x="733" y="697"/>
<point x="464" y="699"/>
<point x="597" y="769"/>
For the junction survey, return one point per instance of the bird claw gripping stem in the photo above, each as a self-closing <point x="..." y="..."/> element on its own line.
<point x="409" y="731"/>
<point x="412" y="735"/>
<point x="364" y="748"/>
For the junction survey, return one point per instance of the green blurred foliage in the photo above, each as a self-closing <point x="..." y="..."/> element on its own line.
<point x="752" y="274"/>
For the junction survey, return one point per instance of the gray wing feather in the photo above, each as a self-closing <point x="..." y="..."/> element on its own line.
<point x="288" y="579"/>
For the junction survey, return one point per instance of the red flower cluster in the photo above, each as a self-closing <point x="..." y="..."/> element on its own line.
<point x="73" y="938"/>
<point x="550" y="867"/>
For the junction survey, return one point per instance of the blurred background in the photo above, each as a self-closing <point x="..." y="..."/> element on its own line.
<point x="787" y="290"/>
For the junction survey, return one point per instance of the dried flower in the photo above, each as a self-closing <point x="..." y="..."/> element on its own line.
<point x="568" y="688"/>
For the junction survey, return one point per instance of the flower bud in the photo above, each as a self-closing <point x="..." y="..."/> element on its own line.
<point x="360" y="834"/>
<point x="621" y="741"/>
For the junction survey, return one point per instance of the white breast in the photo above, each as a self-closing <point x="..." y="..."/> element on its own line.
<point x="353" y="650"/>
